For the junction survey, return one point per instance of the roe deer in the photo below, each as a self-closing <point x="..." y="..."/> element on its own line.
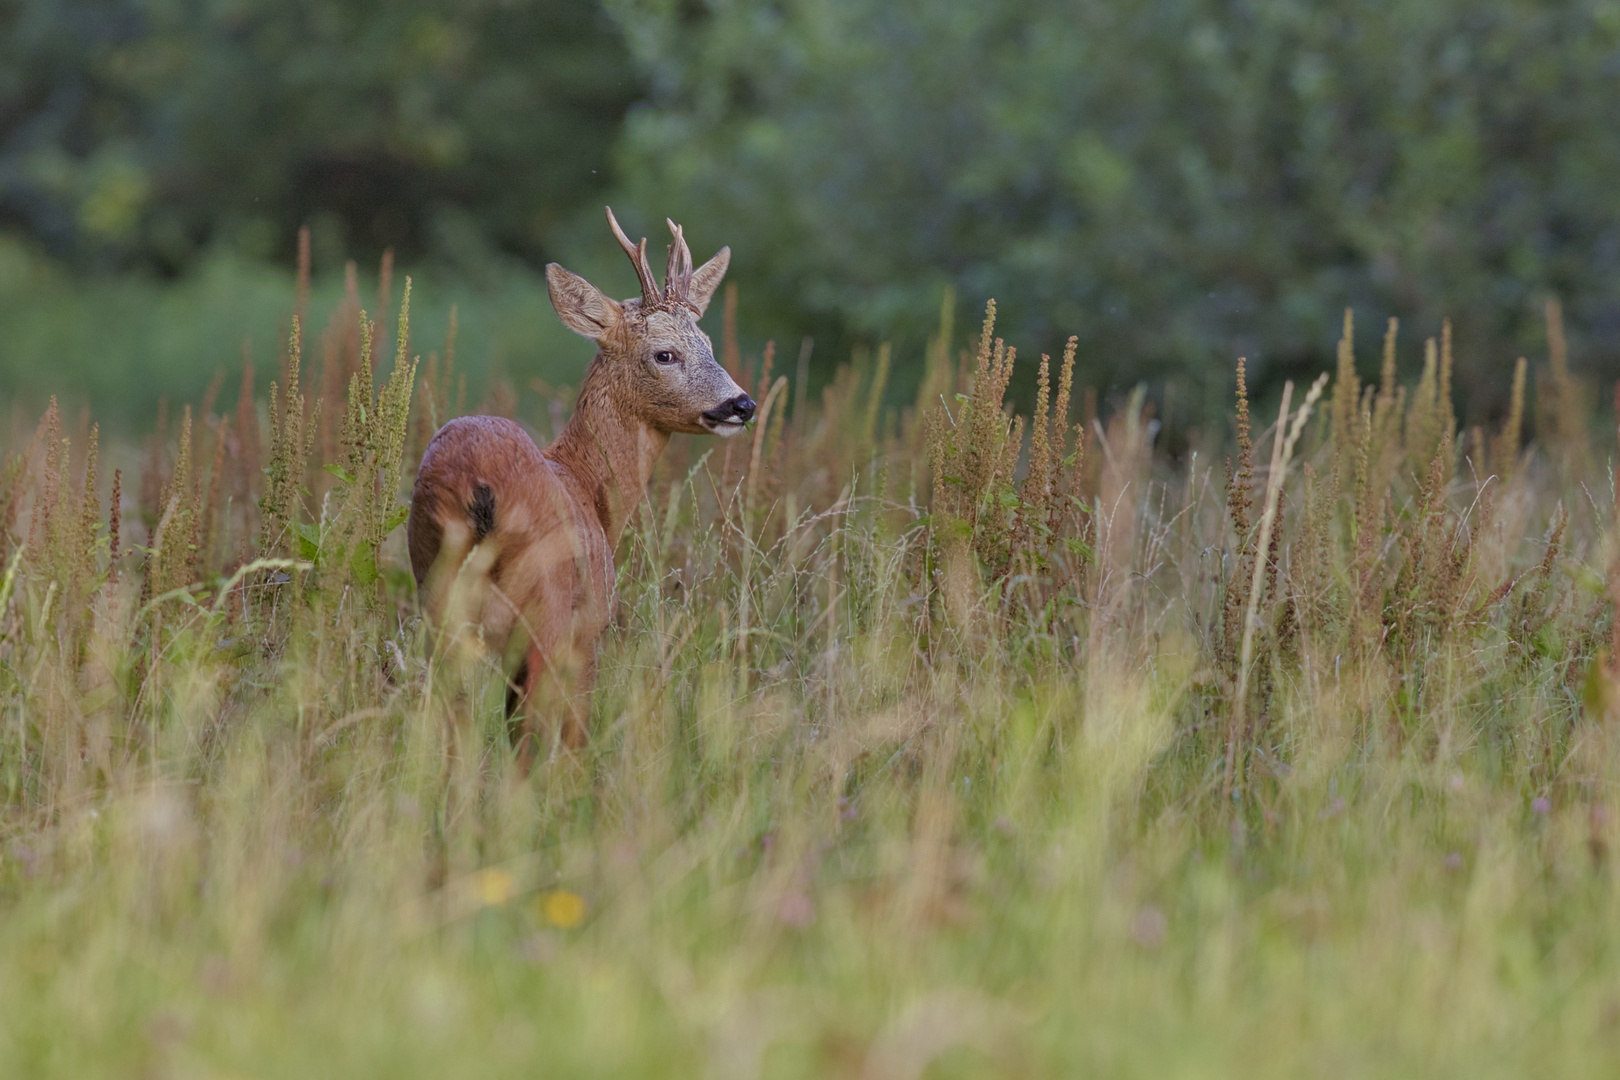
<point x="515" y="542"/>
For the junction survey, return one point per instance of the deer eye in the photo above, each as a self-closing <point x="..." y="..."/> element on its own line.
<point x="664" y="356"/>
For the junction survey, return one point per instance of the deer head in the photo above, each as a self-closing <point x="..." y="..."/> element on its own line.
<point x="662" y="364"/>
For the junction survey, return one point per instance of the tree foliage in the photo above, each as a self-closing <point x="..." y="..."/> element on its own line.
<point x="144" y="130"/>
<point x="1173" y="181"/>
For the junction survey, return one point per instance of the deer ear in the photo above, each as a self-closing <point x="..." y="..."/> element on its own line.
<point x="581" y="305"/>
<point x="706" y="279"/>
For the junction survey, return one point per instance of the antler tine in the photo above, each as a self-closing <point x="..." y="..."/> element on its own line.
<point x="686" y="259"/>
<point x="678" y="275"/>
<point x="650" y="295"/>
<point x="674" y="288"/>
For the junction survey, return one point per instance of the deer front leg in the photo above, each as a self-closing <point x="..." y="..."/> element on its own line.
<point x="553" y="701"/>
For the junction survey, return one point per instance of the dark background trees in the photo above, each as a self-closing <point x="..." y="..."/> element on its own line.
<point x="136" y="133"/>
<point x="1176" y="181"/>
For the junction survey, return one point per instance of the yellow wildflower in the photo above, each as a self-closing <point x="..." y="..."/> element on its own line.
<point x="559" y="907"/>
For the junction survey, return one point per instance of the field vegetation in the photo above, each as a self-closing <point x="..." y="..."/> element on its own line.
<point x="929" y="741"/>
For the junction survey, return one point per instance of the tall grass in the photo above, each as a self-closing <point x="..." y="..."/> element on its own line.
<point x="934" y="742"/>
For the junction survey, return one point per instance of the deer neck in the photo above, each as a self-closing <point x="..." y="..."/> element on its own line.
<point x="606" y="451"/>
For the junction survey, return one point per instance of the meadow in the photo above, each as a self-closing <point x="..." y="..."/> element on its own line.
<point x="929" y="742"/>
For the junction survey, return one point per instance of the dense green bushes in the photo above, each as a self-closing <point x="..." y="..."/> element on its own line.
<point x="1173" y="181"/>
<point x="136" y="132"/>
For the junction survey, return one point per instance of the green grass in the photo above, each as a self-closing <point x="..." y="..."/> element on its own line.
<point x="913" y="755"/>
<point x="121" y="344"/>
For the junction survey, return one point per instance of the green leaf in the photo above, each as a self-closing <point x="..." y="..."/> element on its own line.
<point x="340" y="472"/>
<point x="363" y="563"/>
<point x="1079" y="548"/>
<point x="396" y="517"/>
<point x="309" y="541"/>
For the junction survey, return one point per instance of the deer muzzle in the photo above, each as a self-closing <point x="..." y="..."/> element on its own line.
<point x="729" y="417"/>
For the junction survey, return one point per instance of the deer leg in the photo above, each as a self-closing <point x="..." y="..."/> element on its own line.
<point x="523" y="706"/>
<point x="549" y="702"/>
<point x="577" y="716"/>
<point x="517" y="688"/>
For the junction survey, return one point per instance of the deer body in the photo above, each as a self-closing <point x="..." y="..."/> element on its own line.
<point x="515" y="543"/>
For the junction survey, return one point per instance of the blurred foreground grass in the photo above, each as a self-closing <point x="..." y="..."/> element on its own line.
<point x="923" y="747"/>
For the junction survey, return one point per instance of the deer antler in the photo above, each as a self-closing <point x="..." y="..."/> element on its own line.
<point x="678" y="271"/>
<point x="650" y="296"/>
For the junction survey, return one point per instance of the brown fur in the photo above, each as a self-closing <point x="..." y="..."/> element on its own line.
<point x="516" y="543"/>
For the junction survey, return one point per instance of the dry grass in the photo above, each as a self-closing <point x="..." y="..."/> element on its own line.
<point x="921" y="747"/>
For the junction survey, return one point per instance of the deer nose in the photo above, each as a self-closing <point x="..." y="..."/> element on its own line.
<point x="739" y="409"/>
